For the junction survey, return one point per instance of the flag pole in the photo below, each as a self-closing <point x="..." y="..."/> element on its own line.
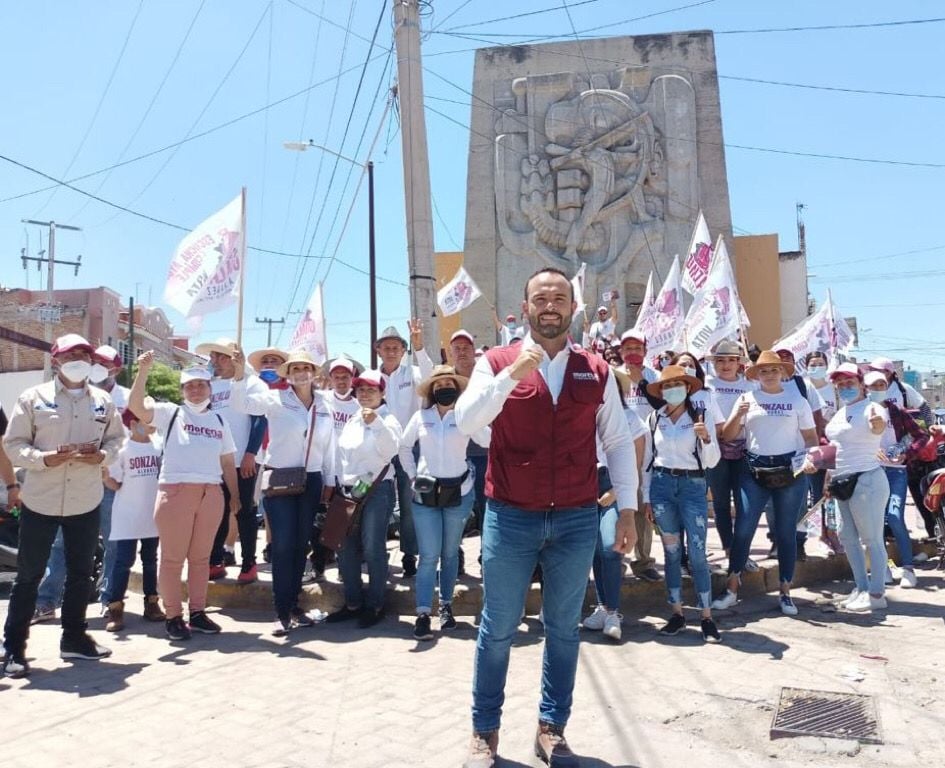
<point x="239" y="306"/>
<point x="738" y="302"/>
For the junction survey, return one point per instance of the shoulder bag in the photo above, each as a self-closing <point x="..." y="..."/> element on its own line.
<point x="343" y="517"/>
<point x="289" y="481"/>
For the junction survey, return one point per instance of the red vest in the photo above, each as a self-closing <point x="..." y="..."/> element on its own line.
<point x="544" y="455"/>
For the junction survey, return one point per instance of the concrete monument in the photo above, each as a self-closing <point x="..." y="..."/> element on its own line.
<point x="596" y="153"/>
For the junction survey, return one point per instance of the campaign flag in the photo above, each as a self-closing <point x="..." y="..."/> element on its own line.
<point x="664" y="323"/>
<point x="716" y="312"/>
<point x="824" y="331"/>
<point x="458" y="293"/>
<point x="310" y="332"/>
<point x="646" y="307"/>
<point x="204" y="275"/>
<point x="577" y="286"/>
<point x="699" y="258"/>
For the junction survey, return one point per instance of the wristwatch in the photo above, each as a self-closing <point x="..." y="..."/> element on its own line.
<point x="11" y="486"/>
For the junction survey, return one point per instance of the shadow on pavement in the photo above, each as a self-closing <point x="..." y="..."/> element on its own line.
<point x="86" y="678"/>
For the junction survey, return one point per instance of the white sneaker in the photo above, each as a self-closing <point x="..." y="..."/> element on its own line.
<point x="612" y="625"/>
<point x="859" y="604"/>
<point x="920" y="557"/>
<point x="850" y="598"/>
<point x="595" y="622"/>
<point x="751" y="566"/>
<point x="890" y="579"/>
<point x="878" y="603"/>
<point x="787" y="605"/>
<point x="908" y="580"/>
<point x="725" y="601"/>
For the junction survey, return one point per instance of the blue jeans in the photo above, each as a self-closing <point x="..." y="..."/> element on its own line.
<point x="785" y="502"/>
<point x="514" y="542"/>
<point x="105" y="528"/>
<point x="439" y="534"/>
<point x="896" y="513"/>
<point x="125" y="553"/>
<point x="862" y="526"/>
<point x="723" y="481"/>
<point x="608" y="565"/>
<point x="408" y="536"/>
<point x="679" y="504"/>
<point x="368" y="544"/>
<point x="290" y="527"/>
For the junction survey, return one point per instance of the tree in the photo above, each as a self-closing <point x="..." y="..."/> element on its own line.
<point x="163" y="382"/>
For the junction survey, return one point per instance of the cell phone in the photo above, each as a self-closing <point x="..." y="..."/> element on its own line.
<point x="67" y="448"/>
<point x="86" y="448"/>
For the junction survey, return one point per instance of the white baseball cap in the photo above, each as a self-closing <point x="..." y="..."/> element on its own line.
<point x="462" y="334"/>
<point x="194" y="374"/>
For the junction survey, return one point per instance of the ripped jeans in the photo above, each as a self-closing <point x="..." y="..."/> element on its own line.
<point x="679" y="503"/>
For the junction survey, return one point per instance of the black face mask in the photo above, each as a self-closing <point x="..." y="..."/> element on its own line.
<point x="446" y="396"/>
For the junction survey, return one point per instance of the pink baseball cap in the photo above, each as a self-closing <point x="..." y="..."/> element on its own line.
<point x="369" y="379"/>
<point x="883" y="364"/>
<point x="846" y="370"/>
<point x="69" y="342"/>
<point x="633" y="335"/>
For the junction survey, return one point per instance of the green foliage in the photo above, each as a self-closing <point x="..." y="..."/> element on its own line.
<point x="163" y="382"/>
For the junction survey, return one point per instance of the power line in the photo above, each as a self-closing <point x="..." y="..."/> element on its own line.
<point x="515" y="16"/>
<point x="823" y="27"/>
<point x="882" y="276"/>
<point x="833" y="88"/>
<point x="451" y="14"/>
<point x="820" y="265"/>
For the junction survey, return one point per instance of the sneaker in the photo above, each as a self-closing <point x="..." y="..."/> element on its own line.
<point x="300" y="618"/>
<point x="710" y="632"/>
<point x="81" y="647"/>
<point x="889" y="578"/>
<point x="908" y="580"/>
<point x="229" y="558"/>
<point x="552" y="748"/>
<point x="447" y="620"/>
<point x="14" y="665"/>
<point x="43" y="613"/>
<point x="612" y="625"/>
<point x="343" y="614"/>
<point x="850" y="598"/>
<point x="920" y="557"/>
<point x="308" y="575"/>
<point x="676" y="622"/>
<point x="751" y="566"/>
<point x="248" y="575"/>
<point x="200" y="622"/>
<point x="217" y="572"/>
<point x="787" y="605"/>
<point x="421" y="628"/>
<point x="650" y="574"/>
<point x="176" y="629"/>
<point x="369" y="617"/>
<point x="878" y="603"/>
<point x="152" y="609"/>
<point x="859" y="604"/>
<point x="281" y="627"/>
<point x="595" y="622"/>
<point x="116" y="616"/>
<point x="483" y="750"/>
<point x="725" y="601"/>
<point x="410" y="566"/>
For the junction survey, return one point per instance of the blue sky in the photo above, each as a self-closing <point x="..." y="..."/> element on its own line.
<point x="81" y="94"/>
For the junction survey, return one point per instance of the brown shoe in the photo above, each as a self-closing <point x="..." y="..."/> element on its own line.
<point x="482" y="750"/>
<point x="552" y="747"/>
<point x="116" y="616"/>
<point x="152" y="609"/>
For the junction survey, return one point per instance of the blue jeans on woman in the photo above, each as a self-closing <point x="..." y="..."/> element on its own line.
<point x="439" y="534"/>
<point x="608" y="565"/>
<point x="723" y="481"/>
<point x="368" y="544"/>
<point x="862" y="526"/>
<point x="514" y="541"/>
<point x="679" y="504"/>
<point x="290" y="527"/>
<point x="785" y="502"/>
<point x="125" y="553"/>
<point x="896" y="513"/>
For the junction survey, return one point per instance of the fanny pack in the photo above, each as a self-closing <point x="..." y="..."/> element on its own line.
<point x="439" y="491"/>
<point x="842" y="488"/>
<point x="771" y="478"/>
<point x="733" y="450"/>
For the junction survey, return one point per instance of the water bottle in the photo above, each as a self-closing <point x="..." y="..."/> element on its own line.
<point x="895" y="451"/>
<point x="360" y="488"/>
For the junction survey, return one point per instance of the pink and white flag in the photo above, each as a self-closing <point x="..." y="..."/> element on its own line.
<point x="699" y="258"/>
<point x="458" y="293"/>
<point x="646" y="306"/>
<point x="204" y="275"/>
<point x="824" y="331"/>
<point x="577" y="287"/>
<point x="309" y="334"/>
<point x="664" y="323"/>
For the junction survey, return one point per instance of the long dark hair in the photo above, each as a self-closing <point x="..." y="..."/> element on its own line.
<point x="700" y="372"/>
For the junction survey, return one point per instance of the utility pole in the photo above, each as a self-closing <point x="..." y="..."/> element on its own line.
<point x="413" y="134"/>
<point x="372" y="266"/>
<point x="50" y="316"/>
<point x="269" y="321"/>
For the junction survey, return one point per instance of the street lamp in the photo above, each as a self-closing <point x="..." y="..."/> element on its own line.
<point x="302" y="146"/>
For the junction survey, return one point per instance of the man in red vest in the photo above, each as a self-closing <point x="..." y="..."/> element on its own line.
<point x="547" y="401"/>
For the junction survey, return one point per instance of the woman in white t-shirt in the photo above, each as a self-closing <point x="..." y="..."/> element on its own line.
<point x="859" y="486"/>
<point x="199" y="454"/>
<point x="775" y="419"/>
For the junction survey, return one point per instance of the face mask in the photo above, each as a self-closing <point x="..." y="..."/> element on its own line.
<point x="664" y="361"/>
<point x="76" y="370"/>
<point x="878" y="396"/>
<point x="511" y="324"/>
<point x="98" y="374"/>
<point x="269" y="376"/>
<point x="674" y="395"/>
<point x="848" y="394"/>
<point x="210" y="367"/>
<point x="196" y="407"/>
<point x="632" y="358"/>
<point x="301" y="379"/>
<point x="446" y="396"/>
<point x="817" y="372"/>
<point x="689" y="371"/>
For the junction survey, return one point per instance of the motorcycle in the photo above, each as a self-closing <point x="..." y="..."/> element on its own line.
<point x="933" y="491"/>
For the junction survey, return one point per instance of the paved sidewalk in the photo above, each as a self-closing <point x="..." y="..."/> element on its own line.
<point x="337" y="696"/>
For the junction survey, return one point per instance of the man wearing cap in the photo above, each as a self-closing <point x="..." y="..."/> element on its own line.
<point x="546" y="402"/>
<point x="248" y="431"/>
<point x="604" y="327"/>
<point x="509" y="331"/>
<point x="401" y="380"/>
<point x="63" y="432"/>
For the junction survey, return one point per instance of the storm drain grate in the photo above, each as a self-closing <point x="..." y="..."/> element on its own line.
<point x="823" y="713"/>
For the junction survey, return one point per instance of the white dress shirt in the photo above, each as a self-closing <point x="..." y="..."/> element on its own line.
<point x="442" y="445"/>
<point x="365" y="449"/>
<point x="676" y="444"/>
<point x="400" y="393"/>
<point x="487" y="392"/>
